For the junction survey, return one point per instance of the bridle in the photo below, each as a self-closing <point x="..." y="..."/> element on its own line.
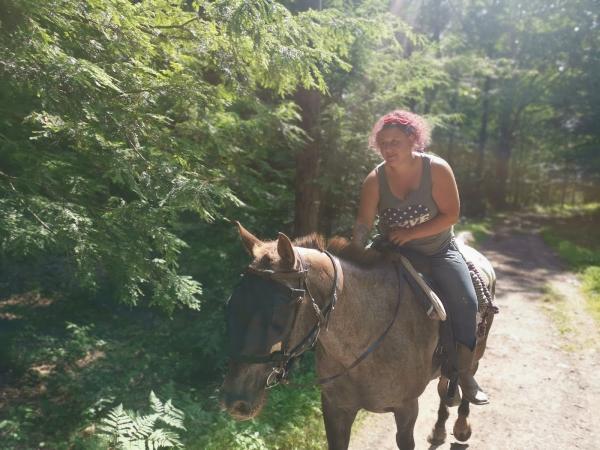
<point x="284" y="358"/>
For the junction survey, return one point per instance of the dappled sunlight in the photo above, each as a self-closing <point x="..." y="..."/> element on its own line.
<point x="12" y="307"/>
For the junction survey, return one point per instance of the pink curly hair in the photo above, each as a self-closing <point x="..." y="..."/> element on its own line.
<point x="408" y="122"/>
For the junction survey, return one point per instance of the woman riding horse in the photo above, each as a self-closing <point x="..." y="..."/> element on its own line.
<point x="414" y="194"/>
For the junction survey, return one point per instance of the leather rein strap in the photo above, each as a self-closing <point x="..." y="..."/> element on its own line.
<point x="285" y="358"/>
<point x="371" y="347"/>
<point x="279" y="374"/>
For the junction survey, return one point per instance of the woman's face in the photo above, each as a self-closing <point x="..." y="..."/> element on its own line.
<point x="395" y="144"/>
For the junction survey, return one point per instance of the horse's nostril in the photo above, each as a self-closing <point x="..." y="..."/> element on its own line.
<point x="236" y="405"/>
<point x="241" y="407"/>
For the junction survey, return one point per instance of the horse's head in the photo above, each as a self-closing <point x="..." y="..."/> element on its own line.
<point x="271" y="316"/>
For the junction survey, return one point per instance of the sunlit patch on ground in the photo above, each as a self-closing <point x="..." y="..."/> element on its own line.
<point x="11" y="307"/>
<point x="89" y="358"/>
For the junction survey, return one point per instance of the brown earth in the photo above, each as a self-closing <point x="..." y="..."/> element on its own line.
<point x="541" y="367"/>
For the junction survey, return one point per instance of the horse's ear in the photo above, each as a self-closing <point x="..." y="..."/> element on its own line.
<point x="286" y="251"/>
<point x="249" y="240"/>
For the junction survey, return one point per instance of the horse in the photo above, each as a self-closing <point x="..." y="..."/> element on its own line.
<point x="343" y="308"/>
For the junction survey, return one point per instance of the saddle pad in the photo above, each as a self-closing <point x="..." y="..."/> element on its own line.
<point x="482" y="264"/>
<point x="482" y="275"/>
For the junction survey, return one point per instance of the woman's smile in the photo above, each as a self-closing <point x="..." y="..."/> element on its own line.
<point x="394" y="144"/>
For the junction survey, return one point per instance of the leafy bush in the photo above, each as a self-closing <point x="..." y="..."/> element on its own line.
<point x="574" y="234"/>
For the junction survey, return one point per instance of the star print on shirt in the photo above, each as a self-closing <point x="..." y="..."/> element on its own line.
<point x="407" y="218"/>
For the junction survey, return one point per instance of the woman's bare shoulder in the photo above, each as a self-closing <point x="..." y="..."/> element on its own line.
<point x="370" y="187"/>
<point x="371" y="178"/>
<point x="438" y="161"/>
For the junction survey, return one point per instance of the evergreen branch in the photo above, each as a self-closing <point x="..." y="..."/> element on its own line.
<point x="28" y="208"/>
<point x="181" y="25"/>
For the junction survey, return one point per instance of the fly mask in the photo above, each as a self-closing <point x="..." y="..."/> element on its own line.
<point x="261" y="315"/>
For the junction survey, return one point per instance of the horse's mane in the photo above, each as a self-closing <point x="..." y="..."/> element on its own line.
<point x="312" y="240"/>
<point x="341" y="247"/>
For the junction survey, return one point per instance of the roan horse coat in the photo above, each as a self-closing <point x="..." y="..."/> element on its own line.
<point x="390" y="379"/>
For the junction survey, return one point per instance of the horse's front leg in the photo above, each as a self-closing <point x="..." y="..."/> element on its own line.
<point x="406" y="416"/>
<point x="438" y="434"/>
<point x="462" y="428"/>
<point x="338" y="424"/>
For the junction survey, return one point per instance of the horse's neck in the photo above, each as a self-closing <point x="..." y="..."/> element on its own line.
<point x="364" y="309"/>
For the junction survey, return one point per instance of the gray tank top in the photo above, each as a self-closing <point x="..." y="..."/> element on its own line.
<point x="418" y="207"/>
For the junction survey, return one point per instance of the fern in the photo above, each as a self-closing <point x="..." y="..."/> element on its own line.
<point x="155" y="403"/>
<point x="144" y="425"/>
<point x="163" y="438"/>
<point x="117" y="424"/>
<point x="130" y="430"/>
<point x="173" y="416"/>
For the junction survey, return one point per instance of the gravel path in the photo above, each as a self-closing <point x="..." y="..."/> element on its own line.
<point x="542" y="376"/>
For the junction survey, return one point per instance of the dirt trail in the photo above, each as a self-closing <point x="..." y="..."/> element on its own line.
<point x="542" y="377"/>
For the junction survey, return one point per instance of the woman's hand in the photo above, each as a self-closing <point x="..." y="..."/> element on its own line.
<point x="400" y="236"/>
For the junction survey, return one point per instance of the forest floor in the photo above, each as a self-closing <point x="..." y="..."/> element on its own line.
<point x="542" y="361"/>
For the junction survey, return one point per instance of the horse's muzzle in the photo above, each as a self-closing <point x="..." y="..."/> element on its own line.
<point x="241" y="407"/>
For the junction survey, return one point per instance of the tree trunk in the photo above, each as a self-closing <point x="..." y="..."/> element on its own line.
<point x="450" y="151"/>
<point x="503" y="153"/>
<point x="477" y="205"/>
<point x="479" y="168"/>
<point x="308" y="161"/>
<point x="563" y="192"/>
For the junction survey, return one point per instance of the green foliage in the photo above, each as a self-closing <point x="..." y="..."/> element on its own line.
<point x="291" y="420"/>
<point x="574" y="234"/>
<point x="132" y="430"/>
<point x="479" y="229"/>
<point x="591" y="284"/>
<point x="120" y="117"/>
<point x="567" y="211"/>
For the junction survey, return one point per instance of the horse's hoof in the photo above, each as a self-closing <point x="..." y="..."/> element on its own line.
<point x="463" y="436"/>
<point x="437" y="437"/>
<point x="462" y="428"/>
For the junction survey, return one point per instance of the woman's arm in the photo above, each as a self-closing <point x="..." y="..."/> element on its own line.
<point x="369" y="198"/>
<point x="445" y="195"/>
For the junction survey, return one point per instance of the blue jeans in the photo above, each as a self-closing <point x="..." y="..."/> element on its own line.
<point x="453" y="285"/>
<point x="451" y="274"/>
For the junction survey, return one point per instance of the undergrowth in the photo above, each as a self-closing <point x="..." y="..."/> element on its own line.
<point x="575" y="235"/>
<point x="480" y="229"/>
<point x="70" y="363"/>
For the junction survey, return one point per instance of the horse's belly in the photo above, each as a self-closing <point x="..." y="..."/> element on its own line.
<point x="380" y="390"/>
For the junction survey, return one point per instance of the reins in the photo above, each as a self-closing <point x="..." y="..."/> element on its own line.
<point x="370" y="349"/>
<point x="279" y="373"/>
<point x="284" y="358"/>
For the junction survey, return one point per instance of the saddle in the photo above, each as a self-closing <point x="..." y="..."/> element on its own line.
<point x="418" y="270"/>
